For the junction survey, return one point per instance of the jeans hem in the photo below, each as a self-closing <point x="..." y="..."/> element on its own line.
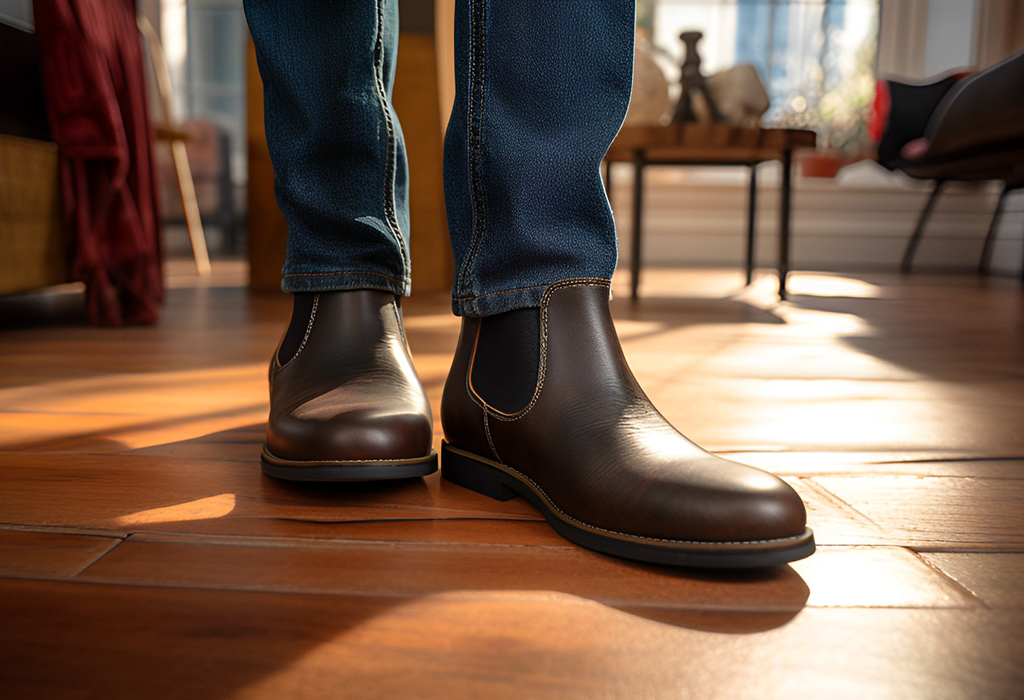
<point x="501" y="301"/>
<point x="340" y="280"/>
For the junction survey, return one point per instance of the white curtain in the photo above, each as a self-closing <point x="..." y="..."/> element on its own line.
<point x="999" y="30"/>
<point x="903" y="30"/>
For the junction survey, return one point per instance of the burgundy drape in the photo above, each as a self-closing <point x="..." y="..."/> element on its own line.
<point x="96" y="99"/>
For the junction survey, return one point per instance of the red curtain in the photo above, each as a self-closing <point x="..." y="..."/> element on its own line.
<point x="96" y="99"/>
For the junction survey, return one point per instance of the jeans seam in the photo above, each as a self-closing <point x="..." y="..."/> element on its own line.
<point x="500" y="291"/>
<point x="594" y="280"/>
<point x="390" y="213"/>
<point x="474" y="150"/>
<point x="345" y="272"/>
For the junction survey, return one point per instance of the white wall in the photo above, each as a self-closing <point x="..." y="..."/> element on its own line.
<point x="950" y="38"/>
<point x="697" y="217"/>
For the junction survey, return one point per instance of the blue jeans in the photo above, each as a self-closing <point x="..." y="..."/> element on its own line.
<point x="542" y="87"/>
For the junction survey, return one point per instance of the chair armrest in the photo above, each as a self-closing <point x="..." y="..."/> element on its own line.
<point x="982" y="111"/>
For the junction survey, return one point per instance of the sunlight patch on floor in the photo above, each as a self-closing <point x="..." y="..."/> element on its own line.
<point x="135" y="409"/>
<point x="200" y="509"/>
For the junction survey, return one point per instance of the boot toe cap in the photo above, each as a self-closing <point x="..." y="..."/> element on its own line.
<point x="718" y="503"/>
<point x="767" y="508"/>
<point x="359" y="435"/>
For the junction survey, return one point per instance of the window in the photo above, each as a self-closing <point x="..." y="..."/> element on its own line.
<point x="816" y="58"/>
<point x="204" y="41"/>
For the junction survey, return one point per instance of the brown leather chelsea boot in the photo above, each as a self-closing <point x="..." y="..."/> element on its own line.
<point x="346" y="404"/>
<point x="540" y="403"/>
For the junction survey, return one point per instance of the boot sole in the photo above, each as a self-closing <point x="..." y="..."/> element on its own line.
<point x="502" y="483"/>
<point x="344" y="470"/>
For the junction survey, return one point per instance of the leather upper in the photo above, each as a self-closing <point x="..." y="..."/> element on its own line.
<point x="598" y="449"/>
<point x="350" y="392"/>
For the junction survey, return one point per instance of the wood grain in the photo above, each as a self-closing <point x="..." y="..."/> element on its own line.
<point x="400" y="569"/>
<point x="996" y="578"/>
<point x="934" y="511"/>
<point x="30" y="554"/>
<point x="74" y="640"/>
<point x="145" y="493"/>
<point x="891" y="404"/>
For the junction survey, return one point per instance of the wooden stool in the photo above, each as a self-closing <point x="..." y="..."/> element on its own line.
<point x="711" y="144"/>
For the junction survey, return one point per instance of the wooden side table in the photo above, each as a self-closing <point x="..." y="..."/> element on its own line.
<point x="711" y="144"/>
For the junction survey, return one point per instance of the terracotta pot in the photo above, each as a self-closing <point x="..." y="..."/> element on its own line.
<point x="822" y="164"/>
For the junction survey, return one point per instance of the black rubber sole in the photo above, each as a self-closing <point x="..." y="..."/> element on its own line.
<point x="383" y="470"/>
<point x="501" y="483"/>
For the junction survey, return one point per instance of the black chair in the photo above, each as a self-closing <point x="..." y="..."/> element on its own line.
<point x="958" y="129"/>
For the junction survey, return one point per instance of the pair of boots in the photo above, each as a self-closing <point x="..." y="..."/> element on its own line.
<point x="539" y="403"/>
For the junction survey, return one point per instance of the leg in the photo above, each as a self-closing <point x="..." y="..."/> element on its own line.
<point x="922" y="221"/>
<point x="540" y="401"/>
<point x="638" y="224"/>
<point x="339" y="159"/>
<point x="751" y="222"/>
<point x="345" y="401"/>
<point x="541" y="90"/>
<point x="786" y="195"/>
<point x="986" y="250"/>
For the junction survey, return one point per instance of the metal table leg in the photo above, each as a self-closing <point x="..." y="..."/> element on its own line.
<point x="784" y="205"/>
<point x="751" y="222"/>
<point x="638" y="209"/>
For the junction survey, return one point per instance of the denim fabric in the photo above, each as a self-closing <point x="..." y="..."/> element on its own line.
<point x="542" y="87"/>
<point x="340" y="170"/>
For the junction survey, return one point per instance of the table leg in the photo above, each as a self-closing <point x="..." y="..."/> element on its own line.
<point x="784" y="214"/>
<point x="751" y="222"/>
<point x="638" y="213"/>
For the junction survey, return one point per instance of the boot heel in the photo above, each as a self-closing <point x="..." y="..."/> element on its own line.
<point x="474" y="475"/>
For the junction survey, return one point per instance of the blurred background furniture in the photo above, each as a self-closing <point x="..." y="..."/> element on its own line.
<point x="33" y="249"/>
<point x="208" y="157"/>
<point x="177" y="138"/>
<point x="711" y="144"/>
<point x="958" y="128"/>
<point x="704" y="134"/>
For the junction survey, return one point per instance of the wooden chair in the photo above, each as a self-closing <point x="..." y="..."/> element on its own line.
<point x="166" y="131"/>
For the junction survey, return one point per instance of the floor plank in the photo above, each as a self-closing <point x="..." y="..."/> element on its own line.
<point x="28" y="553"/>
<point x="892" y="404"/>
<point x="996" y="578"/>
<point x="396" y="569"/>
<point x="935" y="511"/>
<point x="157" y="493"/>
<point x="947" y="463"/>
<point x="834" y="577"/>
<point x="146" y="492"/>
<point x="878" y="577"/>
<point x="500" y="644"/>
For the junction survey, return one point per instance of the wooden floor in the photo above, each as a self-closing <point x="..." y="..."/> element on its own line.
<point x="144" y="555"/>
